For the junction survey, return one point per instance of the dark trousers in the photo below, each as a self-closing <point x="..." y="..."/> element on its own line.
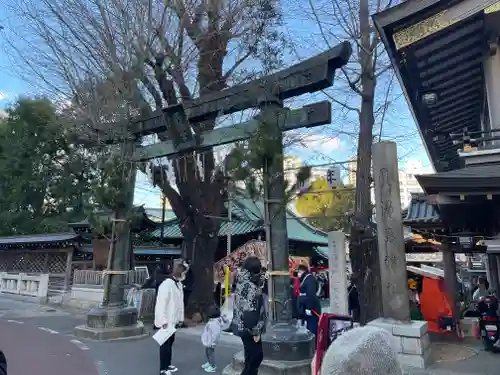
<point x="210" y="354"/>
<point x="312" y="323"/>
<point x="354" y="313"/>
<point x="166" y="353"/>
<point x="253" y="355"/>
<point x="187" y="293"/>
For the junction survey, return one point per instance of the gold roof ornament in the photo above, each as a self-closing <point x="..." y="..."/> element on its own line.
<point x="442" y="20"/>
<point x="422" y="29"/>
<point x="493" y="8"/>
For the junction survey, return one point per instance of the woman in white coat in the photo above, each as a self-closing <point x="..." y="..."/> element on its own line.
<point x="169" y="311"/>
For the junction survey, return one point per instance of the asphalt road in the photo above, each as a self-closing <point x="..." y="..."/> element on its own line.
<point x="33" y="351"/>
<point x="39" y="339"/>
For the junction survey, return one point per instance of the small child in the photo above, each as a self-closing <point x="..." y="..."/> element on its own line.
<point x="211" y="335"/>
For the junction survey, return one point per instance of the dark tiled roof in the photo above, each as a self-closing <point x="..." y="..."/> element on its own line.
<point x="447" y="61"/>
<point x="420" y="211"/>
<point x="144" y="250"/>
<point x="477" y="178"/>
<point x="38" y="238"/>
<point x="479" y="171"/>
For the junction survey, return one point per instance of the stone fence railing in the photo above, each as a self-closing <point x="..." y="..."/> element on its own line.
<point x="144" y="300"/>
<point x="96" y="278"/>
<point x="33" y="285"/>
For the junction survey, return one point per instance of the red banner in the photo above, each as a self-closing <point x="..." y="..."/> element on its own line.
<point x="330" y="326"/>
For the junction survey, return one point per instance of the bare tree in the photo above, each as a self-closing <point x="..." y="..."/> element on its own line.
<point x="365" y="98"/>
<point x="154" y="53"/>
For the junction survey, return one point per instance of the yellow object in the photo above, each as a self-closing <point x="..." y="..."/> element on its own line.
<point x="412" y="284"/>
<point x="226" y="284"/>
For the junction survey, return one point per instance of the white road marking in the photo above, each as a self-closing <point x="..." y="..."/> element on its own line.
<point x="80" y="344"/>
<point x="101" y="368"/>
<point x="51" y="331"/>
<point x="15" y="321"/>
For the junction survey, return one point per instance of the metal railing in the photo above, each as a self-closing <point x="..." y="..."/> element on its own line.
<point x="96" y="278"/>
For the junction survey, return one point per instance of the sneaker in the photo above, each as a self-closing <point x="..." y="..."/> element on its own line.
<point x="172" y="368"/>
<point x="210" y="368"/>
<point x="165" y="372"/>
<point x="205" y="365"/>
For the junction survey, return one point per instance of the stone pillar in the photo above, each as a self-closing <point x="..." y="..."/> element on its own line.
<point x="498" y="272"/>
<point x="287" y="348"/>
<point x="337" y="271"/>
<point x="450" y="278"/>
<point x="493" y="267"/>
<point x="492" y="80"/>
<point x="412" y="337"/>
<point x="114" y="319"/>
<point x="487" y="267"/>
<point x="390" y="235"/>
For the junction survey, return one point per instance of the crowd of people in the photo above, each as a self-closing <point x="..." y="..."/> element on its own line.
<point x="250" y="309"/>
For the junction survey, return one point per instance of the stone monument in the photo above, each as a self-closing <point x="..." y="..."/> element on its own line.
<point x="411" y="336"/>
<point x="337" y="273"/>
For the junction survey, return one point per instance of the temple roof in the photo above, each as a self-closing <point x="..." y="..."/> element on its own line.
<point x="421" y="212"/>
<point x="39" y="240"/>
<point x="148" y="220"/>
<point x="248" y="217"/>
<point x="437" y="49"/>
<point x="482" y="178"/>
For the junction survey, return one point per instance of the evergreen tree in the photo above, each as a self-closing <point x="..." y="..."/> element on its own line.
<point x="45" y="174"/>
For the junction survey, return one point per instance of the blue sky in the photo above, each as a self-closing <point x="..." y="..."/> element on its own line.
<point x="335" y="142"/>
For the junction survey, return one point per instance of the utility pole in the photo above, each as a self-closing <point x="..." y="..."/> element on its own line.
<point x="267" y="226"/>
<point x="163" y="204"/>
<point x="229" y="216"/>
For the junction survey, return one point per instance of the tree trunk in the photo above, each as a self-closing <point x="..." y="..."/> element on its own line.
<point x="363" y="248"/>
<point x="200" y="250"/>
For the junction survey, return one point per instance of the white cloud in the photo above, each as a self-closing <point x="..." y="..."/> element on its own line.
<point x="320" y="143"/>
<point x="3" y="95"/>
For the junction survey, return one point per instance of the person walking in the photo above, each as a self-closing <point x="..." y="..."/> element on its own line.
<point x="211" y="335"/>
<point x="309" y="303"/>
<point x="188" y="283"/>
<point x="155" y="280"/>
<point x="265" y="291"/>
<point x="249" y="316"/>
<point x="482" y="289"/>
<point x="169" y="312"/>
<point x="353" y="306"/>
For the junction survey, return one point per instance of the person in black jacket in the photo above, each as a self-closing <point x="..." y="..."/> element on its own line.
<point x="309" y="303"/>
<point x="154" y="281"/>
<point x="249" y="315"/>
<point x="353" y="301"/>
<point x="3" y="364"/>
<point x="188" y="283"/>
